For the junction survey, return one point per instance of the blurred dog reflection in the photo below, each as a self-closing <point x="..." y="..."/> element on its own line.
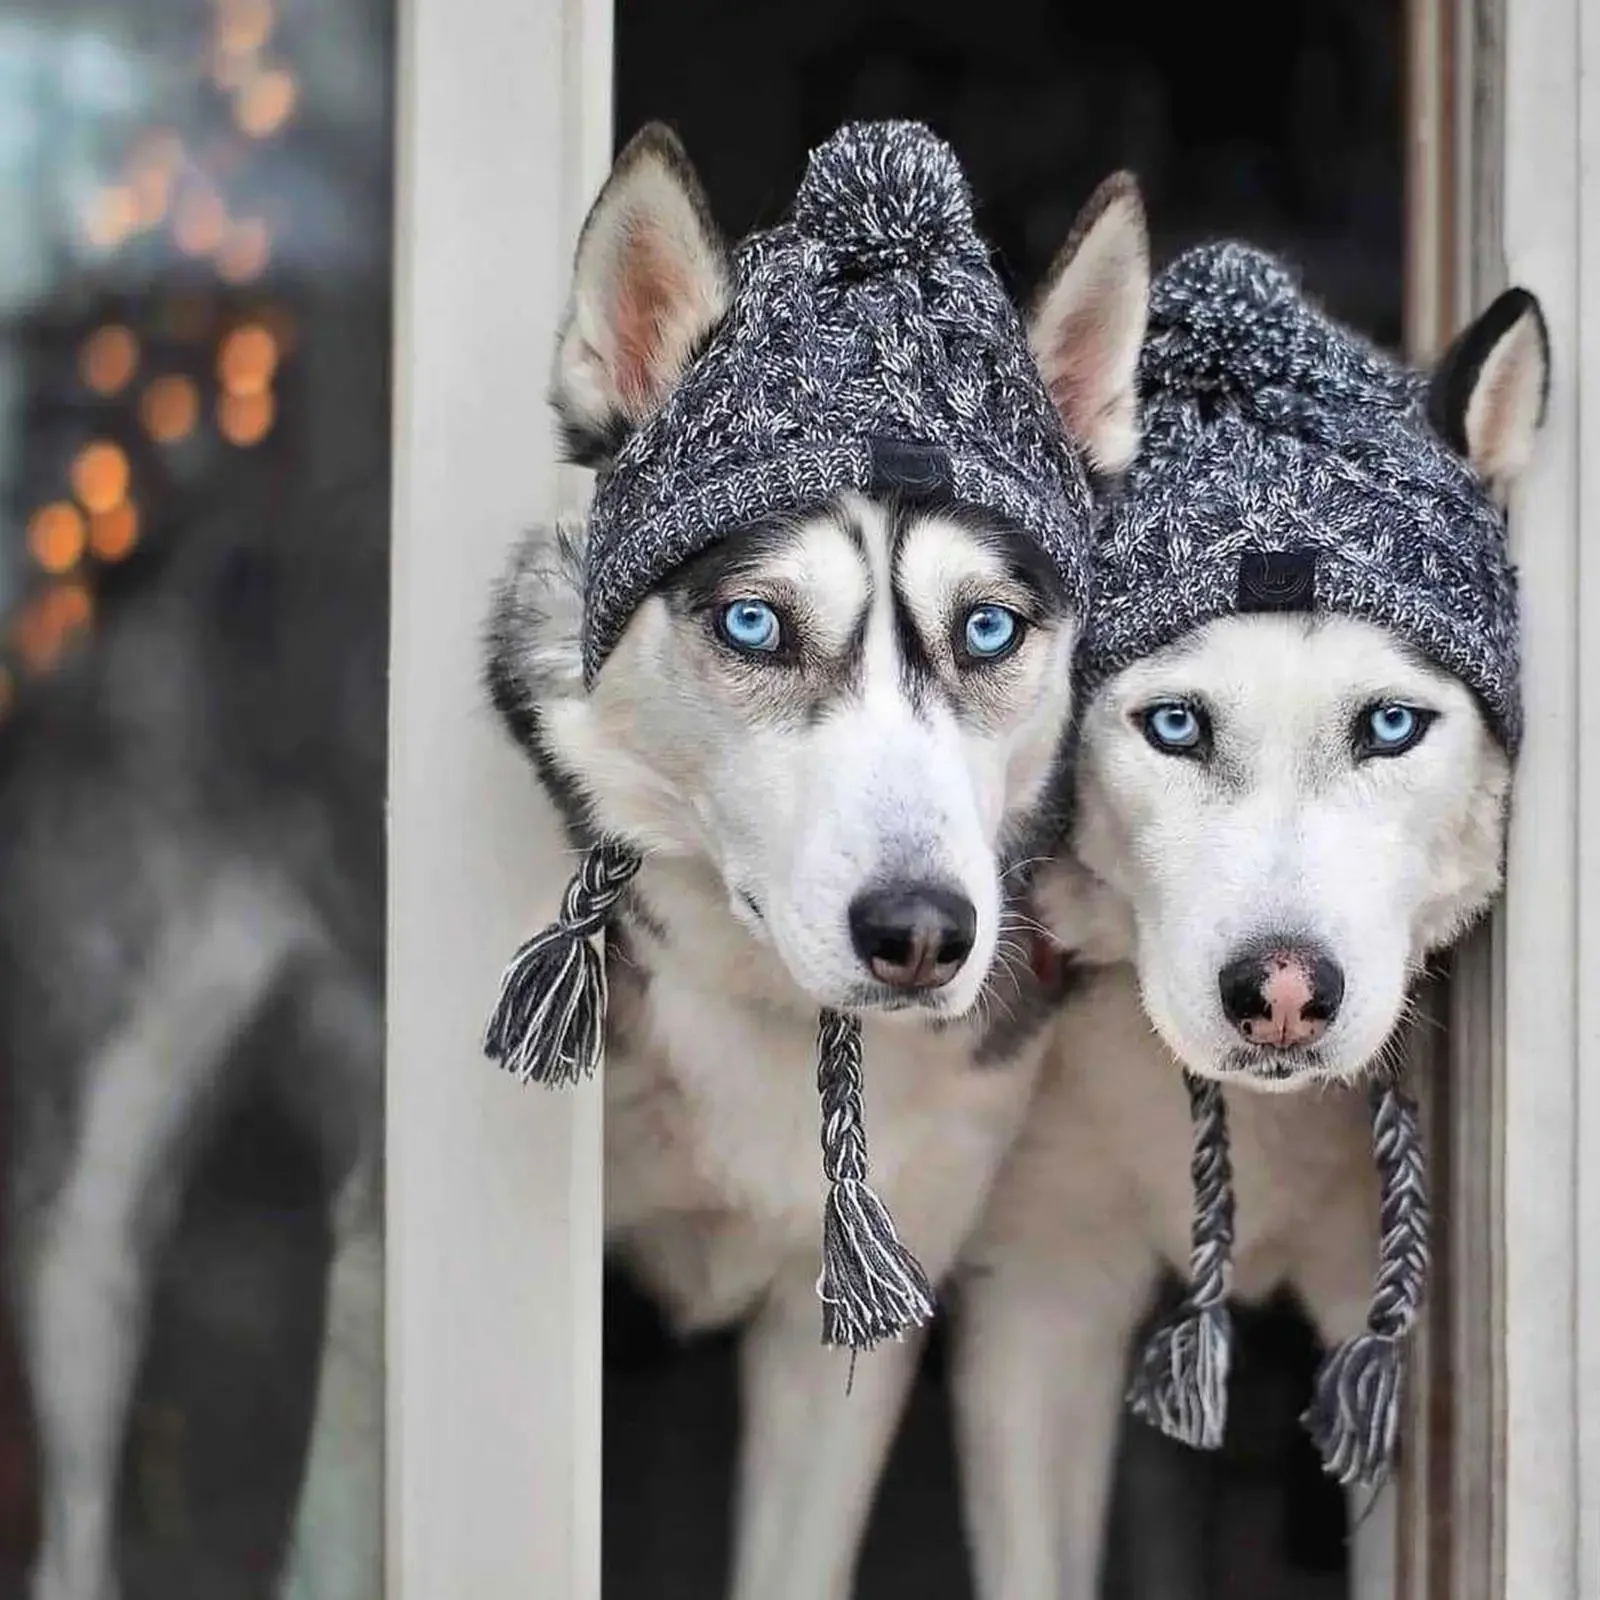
<point x="192" y="829"/>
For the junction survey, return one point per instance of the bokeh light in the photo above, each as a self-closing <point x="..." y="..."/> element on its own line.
<point x="113" y="214"/>
<point x="247" y="360"/>
<point x="48" y="623"/>
<point x="100" y="476"/>
<point x="266" y="102"/>
<point x="243" y="26"/>
<point x="109" y="359"/>
<point x="201" y="222"/>
<point x="56" y="537"/>
<point x="245" y="252"/>
<point x="169" y="408"/>
<point x="114" y="533"/>
<point x="246" y="419"/>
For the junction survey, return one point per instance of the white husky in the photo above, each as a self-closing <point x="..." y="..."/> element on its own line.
<point x="769" y="804"/>
<point x="1180" y="867"/>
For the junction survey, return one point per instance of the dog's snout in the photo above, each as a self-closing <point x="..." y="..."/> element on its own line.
<point x="913" y="935"/>
<point x="1281" y="997"/>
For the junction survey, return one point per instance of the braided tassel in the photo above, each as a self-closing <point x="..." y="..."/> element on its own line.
<point x="548" y="1025"/>
<point x="871" y="1286"/>
<point x="1181" y="1385"/>
<point x="1354" y="1417"/>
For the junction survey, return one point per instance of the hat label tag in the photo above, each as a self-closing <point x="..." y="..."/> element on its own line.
<point x="1278" y="580"/>
<point x="910" y="471"/>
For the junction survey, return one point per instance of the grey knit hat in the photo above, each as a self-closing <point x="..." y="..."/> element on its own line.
<point x="870" y="346"/>
<point x="1287" y="465"/>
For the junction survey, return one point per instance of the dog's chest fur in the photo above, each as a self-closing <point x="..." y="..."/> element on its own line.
<point x="713" y="1155"/>
<point x="1102" y="1169"/>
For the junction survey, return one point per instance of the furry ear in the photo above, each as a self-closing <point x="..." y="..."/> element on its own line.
<point x="649" y="283"/>
<point x="1089" y="322"/>
<point x="1487" y="395"/>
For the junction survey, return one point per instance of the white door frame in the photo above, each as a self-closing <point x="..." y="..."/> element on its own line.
<point x="494" y="1215"/>
<point x="1550" y="1218"/>
<point x="494" y="1194"/>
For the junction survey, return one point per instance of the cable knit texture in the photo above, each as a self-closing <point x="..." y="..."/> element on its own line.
<point x="1270" y="427"/>
<point x="871" y="317"/>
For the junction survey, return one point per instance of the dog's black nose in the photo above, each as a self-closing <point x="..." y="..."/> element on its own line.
<point x="1283" y="995"/>
<point x="913" y="935"/>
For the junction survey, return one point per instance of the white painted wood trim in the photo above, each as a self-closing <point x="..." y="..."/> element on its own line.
<point x="494" y="1212"/>
<point x="1551" y="1226"/>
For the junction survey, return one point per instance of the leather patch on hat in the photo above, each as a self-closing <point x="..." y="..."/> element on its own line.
<point x="909" y="471"/>
<point x="1277" y="580"/>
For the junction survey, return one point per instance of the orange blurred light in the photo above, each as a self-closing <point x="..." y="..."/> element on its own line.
<point x="245" y="252"/>
<point x="246" y="419"/>
<point x="109" y="359"/>
<point x="169" y="408"/>
<point x="56" y="537"/>
<point x="114" y="533"/>
<point x="247" y="360"/>
<point x="266" y="103"/>
<point x="100" y="476"/>
<point x="113" y="214"/>
<point x="201" y="223"/>
<point x="243" y="26"/>
<point x="49" y="620"/>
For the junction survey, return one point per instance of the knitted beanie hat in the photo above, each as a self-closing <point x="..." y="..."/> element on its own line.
<point x="870" y="346"/>
<point x="1289" y="466"/>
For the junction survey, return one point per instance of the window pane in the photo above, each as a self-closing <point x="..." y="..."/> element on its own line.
<point x="194" y="463"/>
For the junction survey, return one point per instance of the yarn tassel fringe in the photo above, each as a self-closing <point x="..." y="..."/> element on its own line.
<point x="1181" y="1383"/>
<point x="871" y="1287"/>
<point x="548" y="1023"/>
<point x="1354" y="1417"/>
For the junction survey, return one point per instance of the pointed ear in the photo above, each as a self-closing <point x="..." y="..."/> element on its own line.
<point x="1089" y="321"/>
<point x="1487" y="395"/>
<point x="650" y="282"/>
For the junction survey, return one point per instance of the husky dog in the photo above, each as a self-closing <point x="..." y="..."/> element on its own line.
<point x="192" y="832"/>
<point x="836" y="735"/>
<point x="1278" y="817"/>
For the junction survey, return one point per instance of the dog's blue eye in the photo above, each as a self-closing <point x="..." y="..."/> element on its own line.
<point x="991" y="631"/>
<point x="751" y="625"/>
<point x="1391" y="728"/>
<point x="1174" y="727"/>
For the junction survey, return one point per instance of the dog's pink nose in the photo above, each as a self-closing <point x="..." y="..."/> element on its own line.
<point x="1282" y="997"/>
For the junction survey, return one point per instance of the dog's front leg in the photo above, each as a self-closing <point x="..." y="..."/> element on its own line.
<point x="812" y="1448"/>
<point x="86" y="1267"/>
<point x="1040" y="1357"/>
<point x="336" y="1547"/>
